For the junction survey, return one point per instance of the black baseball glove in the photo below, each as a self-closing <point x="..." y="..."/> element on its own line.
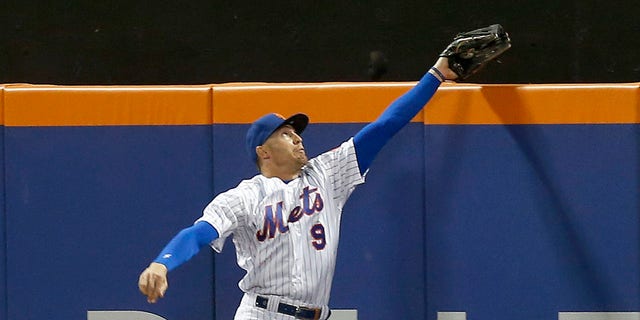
<point x="470" y="51"/>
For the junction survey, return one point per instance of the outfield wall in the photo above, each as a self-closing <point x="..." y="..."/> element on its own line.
<point x="501" y="201"/>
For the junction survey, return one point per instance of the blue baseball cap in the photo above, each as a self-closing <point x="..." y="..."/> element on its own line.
<point x="262" y="128"/>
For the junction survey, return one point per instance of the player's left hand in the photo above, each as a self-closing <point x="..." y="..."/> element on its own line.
<point x="442" y="64"/>
<point x="153" y="282"/>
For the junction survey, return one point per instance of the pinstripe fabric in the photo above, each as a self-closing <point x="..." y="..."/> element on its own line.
<point x="286" y="234"/>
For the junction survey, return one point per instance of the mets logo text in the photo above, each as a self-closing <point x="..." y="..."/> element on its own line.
<point x="274" y="222"/>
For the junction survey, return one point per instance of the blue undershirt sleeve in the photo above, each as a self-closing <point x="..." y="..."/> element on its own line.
<point x="186" y="244"/>
<point x="370" y="140"/>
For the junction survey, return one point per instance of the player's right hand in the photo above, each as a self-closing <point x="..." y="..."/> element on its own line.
<point x="153" y="282"/>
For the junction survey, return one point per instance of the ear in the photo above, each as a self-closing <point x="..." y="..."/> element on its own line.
<point x="262" y="152"/>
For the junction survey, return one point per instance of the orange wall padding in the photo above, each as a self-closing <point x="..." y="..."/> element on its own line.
<point x="323" y="102"/>
<point x="27" y="105"/>
<point x="238" y="103"/>
<point x="1" y="105"/>
<point x="536" y="104"/>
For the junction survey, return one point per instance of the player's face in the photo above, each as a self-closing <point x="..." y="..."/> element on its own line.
<point x="285" y="148"/>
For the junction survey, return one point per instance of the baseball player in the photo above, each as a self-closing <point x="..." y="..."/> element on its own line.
<point x="286" y="220"/>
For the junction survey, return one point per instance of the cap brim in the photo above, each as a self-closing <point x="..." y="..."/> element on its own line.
<point x="298" y="121"/>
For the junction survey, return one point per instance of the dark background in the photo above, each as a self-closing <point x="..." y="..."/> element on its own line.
<point x="199" y="42"/>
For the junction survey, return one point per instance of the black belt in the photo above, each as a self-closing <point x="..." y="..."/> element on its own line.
<point x="297" y="312"/>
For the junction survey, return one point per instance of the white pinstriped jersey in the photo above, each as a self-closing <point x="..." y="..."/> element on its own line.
<point x="286" y="234"/>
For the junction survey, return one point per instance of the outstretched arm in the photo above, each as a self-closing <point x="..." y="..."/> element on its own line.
<point x="370" y="140"/>
<point x="186" y="244"/>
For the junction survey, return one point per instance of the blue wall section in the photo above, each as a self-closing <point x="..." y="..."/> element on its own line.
<point x="501" y="222"/>
<point x="3" y="244"/>
<point x="380" y="269"/>
<point x="88" y="208"/>
<point x="228" y="152"/>
<point x="527" y="221"/>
